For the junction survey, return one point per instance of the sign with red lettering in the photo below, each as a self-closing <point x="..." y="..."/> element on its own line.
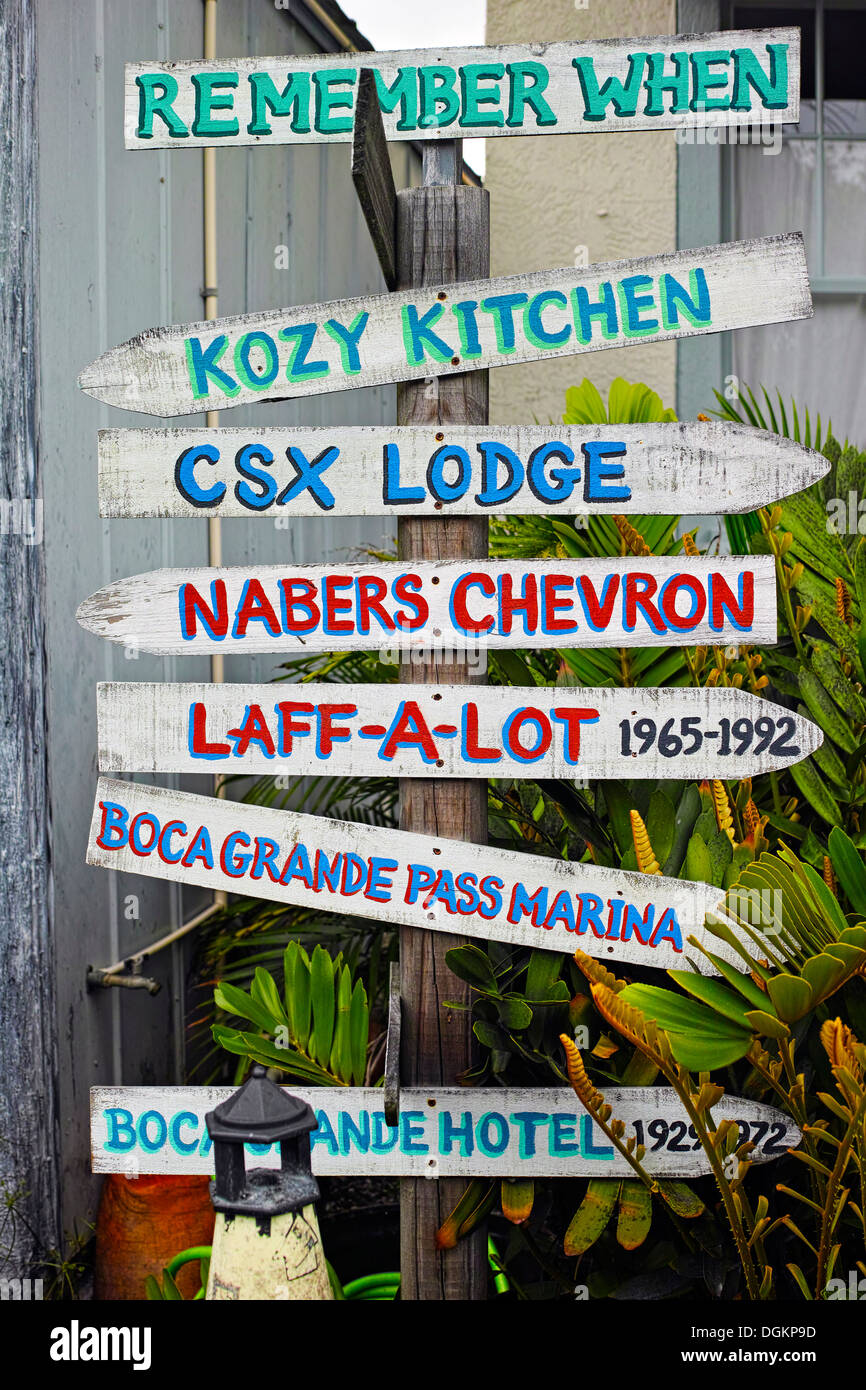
<point x="634" y="602"/>
<point x="463" y="470"/>
<point x="415" y="334"/>
<point x="416" y="880"/>
<point x="446" y="731"/>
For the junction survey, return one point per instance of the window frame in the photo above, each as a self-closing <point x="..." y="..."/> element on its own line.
<point x="821" y="283"/>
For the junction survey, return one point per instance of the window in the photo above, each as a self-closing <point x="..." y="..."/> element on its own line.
<point x="828" y="148"/>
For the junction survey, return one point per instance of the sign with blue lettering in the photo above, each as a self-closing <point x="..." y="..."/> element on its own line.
<point x="463" y="470"/>
<point x="737" y="77"/>
<point x="406" y="879"/>
<point x="419" y="333"/>
<point x="446" y="731"/>
<point x="644" y="601"/>
<point x="441" y="1133"/>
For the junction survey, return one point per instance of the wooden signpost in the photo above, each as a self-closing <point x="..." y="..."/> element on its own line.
<point x="450" y="606"/>
<point x="441" y="471"/>
<point x="441" y="1132"/>
<point x="422" y="881"/>
<point x="443" y="328"/>
<point x="446" y="731"/>
<point x="455" y="470"/>
<point x="655" y="83"/>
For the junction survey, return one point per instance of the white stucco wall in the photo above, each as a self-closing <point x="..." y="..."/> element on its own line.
<point x="614" y="193"/>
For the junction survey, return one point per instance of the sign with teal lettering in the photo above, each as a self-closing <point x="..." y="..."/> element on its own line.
<point x="436" y="331"/>
<point x="445" y="1132"/>
<point x="657" y="83"/>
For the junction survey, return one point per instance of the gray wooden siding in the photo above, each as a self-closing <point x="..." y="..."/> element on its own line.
<point x="121" y="251"/>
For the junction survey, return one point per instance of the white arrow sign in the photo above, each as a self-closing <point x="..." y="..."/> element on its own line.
<point x="392" y="876"/>
<point x="437" y="331"/>
<point x="680" y="80"/>
<point x="464" y="604"/>
<point x="447" y="1132"/>
<point x="446" y="731"/>
<point x="373" y="470"/>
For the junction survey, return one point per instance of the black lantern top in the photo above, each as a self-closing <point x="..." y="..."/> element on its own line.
<point x="261" y="1112"/>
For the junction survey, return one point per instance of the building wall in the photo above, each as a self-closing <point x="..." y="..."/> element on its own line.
<point x="121" y="251"/>
<point x="614" y="193"/>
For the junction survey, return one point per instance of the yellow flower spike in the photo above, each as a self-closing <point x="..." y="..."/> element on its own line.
<point x="689" y="546"/>
<point x="577" y="1075"/>
<point x="843" y="601"/>
<point x="722" y="808"/>
<point x="633" y="539"/>
<point x="751" y="817"/>
<point x="828" y="875"/>
<point x="838" y="1042"/>
<point x="646" y="860"/>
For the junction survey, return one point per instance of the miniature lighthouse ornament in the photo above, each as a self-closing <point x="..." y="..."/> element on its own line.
<point x="266" y="1240"/>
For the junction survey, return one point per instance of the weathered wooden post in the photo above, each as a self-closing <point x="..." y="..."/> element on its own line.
<point x="443" y="234"/>
<point x="29" y="1159"/>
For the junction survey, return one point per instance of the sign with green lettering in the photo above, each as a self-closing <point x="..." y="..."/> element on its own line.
<point x="420" y="333"/>
<point x="442" y="1132"/>
<point x="655" y="83"/>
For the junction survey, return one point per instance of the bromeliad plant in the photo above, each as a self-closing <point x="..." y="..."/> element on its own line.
<point x="316" y="1031"/>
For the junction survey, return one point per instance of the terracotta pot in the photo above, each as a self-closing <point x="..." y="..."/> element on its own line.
<point x="141" y="1223"/>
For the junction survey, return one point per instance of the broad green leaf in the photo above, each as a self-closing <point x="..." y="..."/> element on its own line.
<point x="791" y="996"/>
<point x="823" y="974"/>
<point x="542" y="974"/>
<point x="849" y="867"/>
<point x="681" y="1198"/>
<point x="592" y="1216"/>
<point x="359" y="1027"/>
<point x="825" y="711"/>
<point x="713" y="993"/>
<point x="674" y="1013"/>
<point x="322" y="996"/>
<point x="767" y="1024"/>
<point x="816" y="791"/>
<point x="709" y="1050"/>
<point x="688" y="810"/>
<point x="265" y="992"/>
<point x="721" y="852"/>
<point x="698" y="867"/>
<point x="472" y="965"/>
<point x="826" y="902"/>
<point x="635" y="1214"/>
<point x="661" y="825"/>
<point x="237" y="1001"/>
<point x="297" y="991"/>
<point x="473" y="1205"/>
<point x="518" y="1195"/>
<point x="740" y="981"/>
<point x="514" y="1013"/>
